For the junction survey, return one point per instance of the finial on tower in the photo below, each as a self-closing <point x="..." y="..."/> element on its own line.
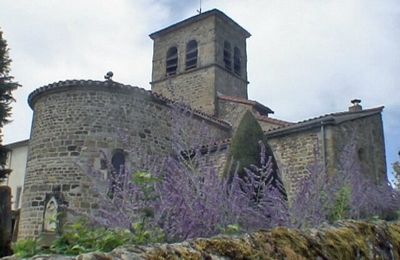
<point x="109" y="75"/>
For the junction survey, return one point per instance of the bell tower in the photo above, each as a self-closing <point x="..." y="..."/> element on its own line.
<point x="200" y="57"/>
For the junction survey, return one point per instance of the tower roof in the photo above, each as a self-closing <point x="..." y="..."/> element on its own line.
<point x="196" y="18"/>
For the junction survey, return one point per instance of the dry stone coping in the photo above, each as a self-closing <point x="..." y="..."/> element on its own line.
<point x="344" y="240"/>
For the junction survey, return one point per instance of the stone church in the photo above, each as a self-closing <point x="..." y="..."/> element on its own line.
<point x="200" y="62"/>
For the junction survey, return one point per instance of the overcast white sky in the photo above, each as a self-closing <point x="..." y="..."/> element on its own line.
<point x="305" y="57"/>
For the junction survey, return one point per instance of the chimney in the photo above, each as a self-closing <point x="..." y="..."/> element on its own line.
<point x="356" y="105"/>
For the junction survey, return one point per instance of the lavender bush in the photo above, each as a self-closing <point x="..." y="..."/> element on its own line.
<point x="185" y="202"/>
<point x="182" y="197"/>
<point x="346" y="194"/>
<point x="177" y="197"/>
<point x="197" y="203"/>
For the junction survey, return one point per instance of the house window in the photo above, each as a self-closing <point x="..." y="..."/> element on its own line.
<point x="237" y="61"/>
<point x="191" y="55"/>
<point x="172" y="61"/>
<point x="228" y="56"/>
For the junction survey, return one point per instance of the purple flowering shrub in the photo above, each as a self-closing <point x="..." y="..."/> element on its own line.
<point x="202" y="204"/>
<point x="347" y="193"/>
<point x="185" y="202"/>
<point x="177" y="196"/>
<point x="183" y="198"/>
<point x="127" y="200"/>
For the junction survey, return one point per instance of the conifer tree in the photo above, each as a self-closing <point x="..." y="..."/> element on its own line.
<point x="7" y="85"/>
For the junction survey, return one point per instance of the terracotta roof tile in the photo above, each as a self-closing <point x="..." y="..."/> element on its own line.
<point x="271" y="120"/>
<point x="258" y="106"/>
<point x="327" y="119"/>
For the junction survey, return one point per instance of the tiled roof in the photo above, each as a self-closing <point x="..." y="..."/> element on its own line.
<point x="216" y="146"/>
<point x="271" y="120"/>
<point x="328" y="119"/>
<point x="210" y="147"/>
<point x="64" y="85"/>
<point x="258" y="106"/>
<point x="196" y="18"/>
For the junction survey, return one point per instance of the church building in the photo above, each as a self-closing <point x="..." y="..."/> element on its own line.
<point x="200" y="62"/>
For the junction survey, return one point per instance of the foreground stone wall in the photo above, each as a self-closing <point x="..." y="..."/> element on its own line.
<point x="74" y="120"/>
<point x="345" y="240"/>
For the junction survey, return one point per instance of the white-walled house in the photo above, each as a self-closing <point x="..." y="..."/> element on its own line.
<point x="16" y="161"/>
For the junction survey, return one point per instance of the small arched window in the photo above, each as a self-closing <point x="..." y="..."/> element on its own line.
<point x="118" y="161"/>
<point x="116" y="176"/>
<point x="237" y="61"/>
<point x="191" y="55"/>
<point x="228" y="56"/>
<point x="172" y="61"/>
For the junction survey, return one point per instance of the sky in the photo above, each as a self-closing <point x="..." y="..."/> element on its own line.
<point x="305" y="57"/>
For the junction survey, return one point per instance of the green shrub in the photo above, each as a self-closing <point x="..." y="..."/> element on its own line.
<point x="80" y="238"/>
<point x="26" y="248"/>
<point x="341" y="207"/>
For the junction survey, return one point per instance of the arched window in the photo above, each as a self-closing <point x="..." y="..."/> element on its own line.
<point x="228" y="56"/>
<point x="117" y="173"/>
<point x="237" y="61"/>
<point x="191" y="55"/>
<point x="172" y="61"/>
<point x="118" y="161"/>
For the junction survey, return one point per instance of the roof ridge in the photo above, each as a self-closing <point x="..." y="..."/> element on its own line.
<point x="199" y="17"/>
<point x="274" y="120"/>
<point x="245" y="101"/>
<point x="330" y="117"/>
<point x="343" y="113"/>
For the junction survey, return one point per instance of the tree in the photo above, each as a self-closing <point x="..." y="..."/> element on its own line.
<point x="7" y="85"/>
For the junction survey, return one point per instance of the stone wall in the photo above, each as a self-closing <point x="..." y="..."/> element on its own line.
<point x="367" y="136"/>
<point x="269" y="123"/>
<point x="329" y="146"/>
<point x="194" y="86"/>
<point x="344" y="240"/>
<point x="294" y="154"/>
<point x="214" y="158"/>
<point x="232" y="112"/>
<point x="74" y="120"/>
<point x="227" y="82"/>
<point x="198" y="86"/>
